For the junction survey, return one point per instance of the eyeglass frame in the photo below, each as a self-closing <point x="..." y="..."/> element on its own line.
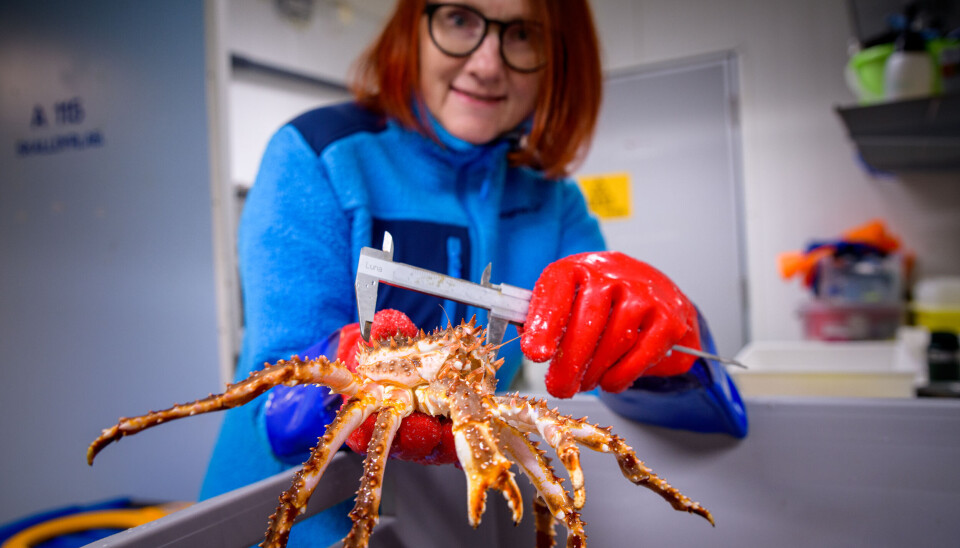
<point x="430" y="9"/>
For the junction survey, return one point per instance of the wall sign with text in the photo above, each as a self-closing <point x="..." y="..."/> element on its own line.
<point x="57" y="127"/>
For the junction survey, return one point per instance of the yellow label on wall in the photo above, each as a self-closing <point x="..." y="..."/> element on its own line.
<point x="608" y="195"/>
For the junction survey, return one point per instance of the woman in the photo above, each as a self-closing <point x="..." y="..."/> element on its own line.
<point x="466" y="121"/>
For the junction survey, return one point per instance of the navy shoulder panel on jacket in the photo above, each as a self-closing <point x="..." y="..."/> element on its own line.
<point x="322" y="126"/>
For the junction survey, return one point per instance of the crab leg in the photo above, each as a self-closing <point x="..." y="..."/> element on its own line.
<point x="293" y="501"/>
<point x="533" y="416"/>
<point x="543" y="520"/>
<point x="599" y="439"/>
<point x="365" y="513"/>
<point x="483" y="464"/>
<point x="290" y="372"/>
<point x="552" y="500"/>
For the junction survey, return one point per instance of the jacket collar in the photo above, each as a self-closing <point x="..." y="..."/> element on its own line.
<point x="458" y="153"/>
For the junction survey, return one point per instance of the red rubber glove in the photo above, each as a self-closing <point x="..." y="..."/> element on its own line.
<point x="421" y="438"/>
<point x="606" y="318"/>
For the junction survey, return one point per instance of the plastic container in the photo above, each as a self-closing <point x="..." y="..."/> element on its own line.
<point x="940" y="291"/>
<point x="865" y="73"/>
<point x="938" y="319"/>
<point x="830" y="369"/>
<point x="909" y="72"/>
<point x="863" y="280"/>
<point x="830" y="321"/>
<point x="936" y="303"/>
<point x="908" y="75"/>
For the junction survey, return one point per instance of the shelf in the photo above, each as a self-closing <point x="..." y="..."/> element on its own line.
<point x="913" y="135"/>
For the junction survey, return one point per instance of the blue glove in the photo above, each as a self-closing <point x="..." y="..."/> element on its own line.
<point x="704" y="399"/>
<point x="296" y="416"/>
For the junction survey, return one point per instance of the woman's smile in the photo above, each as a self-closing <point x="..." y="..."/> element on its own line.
<point x="479" y="97"/>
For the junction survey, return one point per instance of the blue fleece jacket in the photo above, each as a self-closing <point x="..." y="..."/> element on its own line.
<point x="331" y="182"/>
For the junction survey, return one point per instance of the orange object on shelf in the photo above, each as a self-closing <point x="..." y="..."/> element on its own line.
<point x="873" y="233"/>
<point x="793" y="263"/>
<point x="804" y="263"/>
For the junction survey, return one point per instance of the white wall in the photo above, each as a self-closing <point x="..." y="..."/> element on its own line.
<point x="321" y="41"/>
<point x="258" y="105"/>
<point x="321" y="46"/>
<point x="801" y="176"/>
<point x="802" y="179"/>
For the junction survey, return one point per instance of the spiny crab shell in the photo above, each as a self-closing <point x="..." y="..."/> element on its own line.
<point x="449" y="373"/>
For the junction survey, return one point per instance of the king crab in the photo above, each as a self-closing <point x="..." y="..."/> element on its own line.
<point x="448" y="373"/>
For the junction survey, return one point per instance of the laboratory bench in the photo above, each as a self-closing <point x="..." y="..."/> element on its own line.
<point x="812" y="471"/>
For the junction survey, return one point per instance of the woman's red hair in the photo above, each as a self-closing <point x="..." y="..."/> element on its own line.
<point x="387" y="80"/>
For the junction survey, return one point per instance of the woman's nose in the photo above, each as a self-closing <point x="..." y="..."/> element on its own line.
<point x="485" y="61"/>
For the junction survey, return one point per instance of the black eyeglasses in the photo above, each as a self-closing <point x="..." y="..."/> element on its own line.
<point x="458" y="31"/>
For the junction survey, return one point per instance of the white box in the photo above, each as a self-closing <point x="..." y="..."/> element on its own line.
<point x="864" y="369"/>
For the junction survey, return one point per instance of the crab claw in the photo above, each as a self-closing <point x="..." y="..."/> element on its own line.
<point x="485" y="468"/>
